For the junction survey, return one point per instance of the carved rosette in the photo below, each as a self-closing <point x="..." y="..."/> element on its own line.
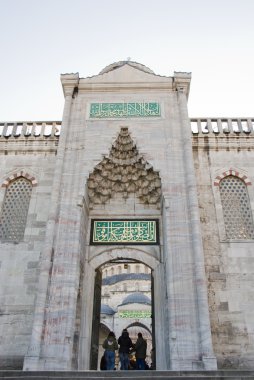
<point x="126" y="172"/>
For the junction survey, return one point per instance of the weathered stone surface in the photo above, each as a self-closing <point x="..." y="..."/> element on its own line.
<point x="133" y="168"/>
<point x="230" y="286"/>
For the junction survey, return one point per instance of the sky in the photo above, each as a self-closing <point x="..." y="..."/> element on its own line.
<point x="40" y="39"/>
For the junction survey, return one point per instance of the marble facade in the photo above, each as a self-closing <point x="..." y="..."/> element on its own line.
<point x="127" y="150"/>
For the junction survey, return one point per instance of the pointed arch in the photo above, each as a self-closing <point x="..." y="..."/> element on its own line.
<point x="232" y="172"/>
<point x="15" y="206"/>
<point x="104" y="327"/>
<point x="236" y="207"/>
<point x="21" y="173"/>
<point x="139" y="324"/>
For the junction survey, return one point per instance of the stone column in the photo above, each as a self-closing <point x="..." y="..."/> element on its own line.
<point x="33" y="357"/>
<point x="181" y="318"/>
<point x="161" y="346"/>
<point x="206" y="349"/>
<point x="86" y="321"/>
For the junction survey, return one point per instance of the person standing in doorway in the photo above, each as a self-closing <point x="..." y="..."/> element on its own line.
<point x="110" y="345"/>
<point x="140" y="348"/>
<point x="125" y="344"/>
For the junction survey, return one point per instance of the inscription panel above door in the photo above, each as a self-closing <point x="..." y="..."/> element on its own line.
<point x="110" y="232"/>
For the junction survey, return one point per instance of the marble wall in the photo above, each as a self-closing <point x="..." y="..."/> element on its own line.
<point x="47" y="280"/>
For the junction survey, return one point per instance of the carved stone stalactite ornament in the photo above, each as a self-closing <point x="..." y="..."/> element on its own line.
<point x="124" y="171"/>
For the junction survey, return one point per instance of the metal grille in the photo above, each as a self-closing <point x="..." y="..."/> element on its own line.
<point x="236" y="209"/>
<point x="15" y="209"/>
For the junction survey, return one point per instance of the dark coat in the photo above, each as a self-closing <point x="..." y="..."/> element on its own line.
<point x="140" y="348"/>
<point x="125" y="342"/>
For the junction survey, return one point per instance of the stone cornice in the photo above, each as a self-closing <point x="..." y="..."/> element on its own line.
<point x="125" y="87"/>
<point x="222" y="142"/>
<point x="181" y="82"/>
<point x="69" y="82"/>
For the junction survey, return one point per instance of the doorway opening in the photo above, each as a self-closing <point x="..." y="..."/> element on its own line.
<point x="123" y="299"/>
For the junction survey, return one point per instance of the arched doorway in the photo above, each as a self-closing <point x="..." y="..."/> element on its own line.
<point x="98" y="256"/>
<point x="123" y="296"/>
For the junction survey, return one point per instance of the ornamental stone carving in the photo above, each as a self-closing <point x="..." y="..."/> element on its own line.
<point x="126" y="172"/>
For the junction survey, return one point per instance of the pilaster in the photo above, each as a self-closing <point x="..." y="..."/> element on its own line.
<point x="200" y="283"/>
<point x="33" y="359"/>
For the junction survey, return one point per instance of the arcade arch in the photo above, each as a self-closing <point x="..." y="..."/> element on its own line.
<point x="134" y="329"/>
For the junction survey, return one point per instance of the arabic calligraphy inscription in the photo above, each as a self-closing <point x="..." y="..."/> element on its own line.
<point x="135" y="314"/>
<point x="124" y="110"/>
<point x="124" y="232"/>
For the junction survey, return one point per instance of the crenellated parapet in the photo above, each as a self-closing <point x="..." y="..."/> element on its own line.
<point x="222" y="126"/>
<point x="29" y="137"/>
<point x="30" y="129"/>
<point x="222" y="133"/>
<point x="199" y="126"/>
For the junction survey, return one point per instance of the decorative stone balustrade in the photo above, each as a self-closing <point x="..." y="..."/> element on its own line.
<point x="216" y="126"/>
<point x="30" y="129"/>
<point x="199" y="126"/>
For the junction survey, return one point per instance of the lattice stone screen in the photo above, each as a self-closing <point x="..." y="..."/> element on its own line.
<point x="15" y="209"/>
<point x="236" y="209"/>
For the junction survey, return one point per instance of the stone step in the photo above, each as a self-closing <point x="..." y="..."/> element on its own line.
<point x="139" y="378"/>
<point x="127" y="375"/>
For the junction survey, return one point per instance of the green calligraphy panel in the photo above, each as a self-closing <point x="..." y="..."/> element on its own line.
<point x="124" y="110"/>
<point x="135" y="314"/>
<point x="124" y="232"/>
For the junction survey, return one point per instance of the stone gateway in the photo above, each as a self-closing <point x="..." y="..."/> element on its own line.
<point x="127" y="179"/>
